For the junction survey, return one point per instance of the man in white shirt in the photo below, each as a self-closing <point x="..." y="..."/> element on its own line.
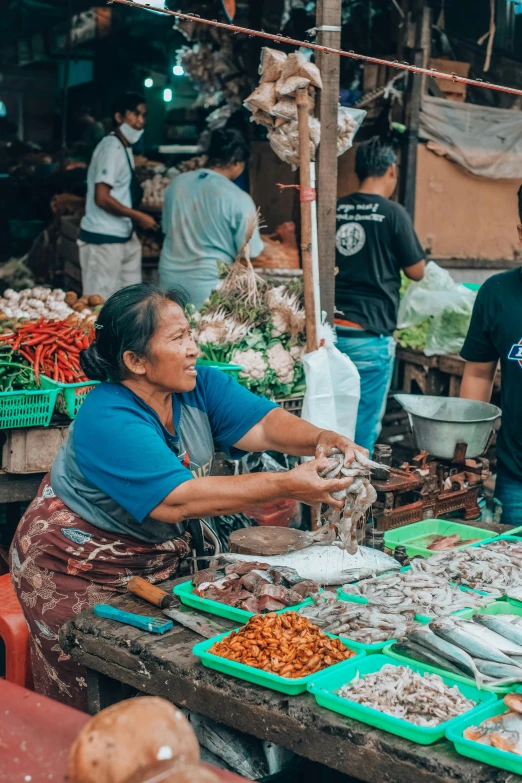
<point x="110" y="252"/>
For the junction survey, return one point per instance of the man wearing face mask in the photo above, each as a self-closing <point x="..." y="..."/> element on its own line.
<point x="110" y="251"/>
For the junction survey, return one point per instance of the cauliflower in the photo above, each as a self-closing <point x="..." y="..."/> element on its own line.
<point x="279" y="324"/>
<point x="297" y="352"/>
<point x="281" y="361"/>
<point x="253" y="363"/>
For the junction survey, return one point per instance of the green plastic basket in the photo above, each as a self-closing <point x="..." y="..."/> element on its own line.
<point x="186" y="595"/>
<point x="414" y="537"/>
<point x="28" y="408"/>
<point x="324" y="687"/>
<point x="497" y="608"/>
<point x="474" y="750"/>
<point x="72" y="396"/>
<point x="292" y="687"/>
<point x="229" y="369"/>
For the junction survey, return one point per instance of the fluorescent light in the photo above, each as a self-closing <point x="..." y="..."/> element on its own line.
<point x="148" y="82"/>
<point x="167" y="95"/>
<point x="178" y="70"/>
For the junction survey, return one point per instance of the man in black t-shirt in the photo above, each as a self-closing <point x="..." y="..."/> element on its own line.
<point x="495" y="333"/>
<point x="375" y="239"/>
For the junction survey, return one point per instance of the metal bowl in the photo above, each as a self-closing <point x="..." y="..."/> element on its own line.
<point x="440" y="423"/>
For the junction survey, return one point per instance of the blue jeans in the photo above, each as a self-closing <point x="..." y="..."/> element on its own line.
<point x="508" y="492"/>
<point x="374" y="357"/>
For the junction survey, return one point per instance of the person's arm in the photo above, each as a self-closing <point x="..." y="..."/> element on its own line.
<point x="281" y="431"/>
<point x="477" y="381"/>
<point x="104" y="200"/>
<point x="415" y="271"/>
<point x="408" y="250"/>
<point x="219" y="495"/>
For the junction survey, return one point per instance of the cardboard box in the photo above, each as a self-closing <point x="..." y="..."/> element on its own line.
<point x="451" y="89"/>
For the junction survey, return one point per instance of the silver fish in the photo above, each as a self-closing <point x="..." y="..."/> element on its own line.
<point x="450" y="631"/>
<point x="498" y="670"/>
<point x="487" y="636"/>
<point x="329" y="565"/>
<point x="506" y="629"/>
<point x="418" y="653"/>
<point x="426" y="638"/>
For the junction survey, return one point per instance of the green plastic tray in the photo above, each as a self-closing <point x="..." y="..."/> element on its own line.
<point x="412" y="536"/>
<point x="474" y="750"/>
<point x="325" y="685"/>
<point x="229" y="369"/>
<point x="185" y="593"/>
<point x="28" y="408"/>
<point x="499" y="607"/>
<point x="292" y="687"/>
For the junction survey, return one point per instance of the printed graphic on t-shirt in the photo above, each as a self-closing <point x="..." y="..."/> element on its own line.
<point x="350" y="238"/>
<point x="516" y="353"/>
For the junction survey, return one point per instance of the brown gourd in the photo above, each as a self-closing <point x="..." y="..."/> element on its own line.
<point x="130" y="737"/>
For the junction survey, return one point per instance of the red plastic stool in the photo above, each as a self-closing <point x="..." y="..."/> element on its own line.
<point x="15" y="634"/>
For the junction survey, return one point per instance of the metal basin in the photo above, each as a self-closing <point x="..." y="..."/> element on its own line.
<point x="440" y="423"/>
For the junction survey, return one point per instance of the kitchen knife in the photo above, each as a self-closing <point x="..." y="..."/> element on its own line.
<point x="158" y="597"/>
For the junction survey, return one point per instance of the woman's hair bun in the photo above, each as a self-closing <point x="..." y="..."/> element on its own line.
<point x="92" y="364"/>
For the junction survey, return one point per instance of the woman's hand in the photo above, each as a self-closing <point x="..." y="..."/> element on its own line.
<point x="328" y="440"/>
<point x="304" y="483"/>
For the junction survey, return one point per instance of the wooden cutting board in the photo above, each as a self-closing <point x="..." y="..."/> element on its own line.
<point x="267" y="541"/>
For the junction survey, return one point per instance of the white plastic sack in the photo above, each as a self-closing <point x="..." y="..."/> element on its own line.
<point x="348" y="123"/>
<point x="486" y="141"/>
<point x="447" y="304"/>
<point x="333" y="388"/>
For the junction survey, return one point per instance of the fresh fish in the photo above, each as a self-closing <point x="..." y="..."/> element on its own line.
<point x="504" y="731"/>
<point x="329" y="565"/>
<point x="514" y="701"/>
<point x="498" y="671"/>
<point x="483" y="634"/>
<point x="421" y="654"/>
<point x="506" y="629"/>
<point x="451" y="632"/>
<point x="426" y="638"/>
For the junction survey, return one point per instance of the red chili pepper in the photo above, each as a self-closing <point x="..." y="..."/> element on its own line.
<point x="55" y="373"/>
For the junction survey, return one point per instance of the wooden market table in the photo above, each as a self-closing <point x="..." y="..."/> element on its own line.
<point x="118" y="656"/>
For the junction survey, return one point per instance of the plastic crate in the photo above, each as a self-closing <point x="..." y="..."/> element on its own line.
<point x="292" y="404"/>
<point x="28" y="408"/>
<point x="324" y="686"/>
<point x="229" y="369"/>
<point x="414" y="537"/>
<point x="72" y="396"/>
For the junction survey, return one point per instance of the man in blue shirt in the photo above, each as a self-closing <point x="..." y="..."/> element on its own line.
<point x="206" y="218"/>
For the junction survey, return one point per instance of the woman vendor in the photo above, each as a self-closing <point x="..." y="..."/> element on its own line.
<point x="137" y="467"/>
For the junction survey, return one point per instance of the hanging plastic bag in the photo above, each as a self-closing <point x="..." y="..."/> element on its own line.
<point x="448" y="306"/>
<point x="348" y="123"/>
<point x="333" y="387"/>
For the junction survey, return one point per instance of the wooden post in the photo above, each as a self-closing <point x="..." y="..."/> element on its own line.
<point x="328" y="15"/>
<point x="306" y="217"/>
<point x="421" y="17"/>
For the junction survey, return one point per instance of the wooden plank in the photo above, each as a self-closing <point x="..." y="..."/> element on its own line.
<point x="19" y="489"/>
<point x="32" y="449"/>
<point x="421" y="15"/>
<point x="167" y="668"/>
<point x="328" y="13"/>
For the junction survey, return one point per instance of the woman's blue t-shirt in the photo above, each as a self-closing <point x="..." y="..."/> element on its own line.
<point x="120" y="462"/>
